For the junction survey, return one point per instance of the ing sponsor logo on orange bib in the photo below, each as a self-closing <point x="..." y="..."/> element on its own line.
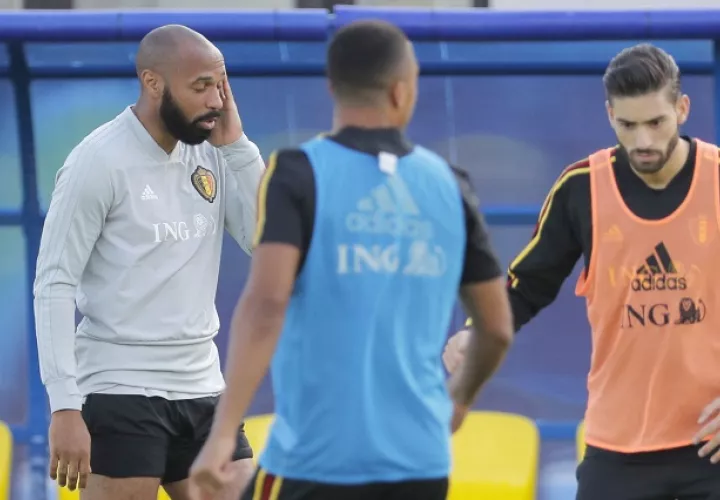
<point x="659" y="273"/>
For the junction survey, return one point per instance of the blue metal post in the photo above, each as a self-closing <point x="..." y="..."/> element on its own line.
<point x="32" y="220"/>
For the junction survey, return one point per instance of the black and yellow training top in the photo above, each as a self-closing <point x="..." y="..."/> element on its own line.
<point x="563" y="233"/>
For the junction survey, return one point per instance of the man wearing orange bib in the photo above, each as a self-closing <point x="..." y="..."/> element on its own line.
<point x="645" y="217"/>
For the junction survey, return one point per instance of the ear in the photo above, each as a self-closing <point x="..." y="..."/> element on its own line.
<point x="399" y="93"/>
<point x="610" y="111"/>
<point x="152" y="83"/>
<point x="683" y="109"/>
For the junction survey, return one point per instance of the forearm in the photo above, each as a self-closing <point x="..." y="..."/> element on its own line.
<point x="242" y="154"/>
<point x="244" y="170"/>
<point x="55" y="330"/>
<point x="523" y="309"/>
<point x="255" y="330"/>
<point x="483" y="357"/>
<point x="488" y="305"/>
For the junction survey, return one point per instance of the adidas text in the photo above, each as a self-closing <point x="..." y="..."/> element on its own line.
<point x="382" y="223"/>
<point x="659" y="282"/>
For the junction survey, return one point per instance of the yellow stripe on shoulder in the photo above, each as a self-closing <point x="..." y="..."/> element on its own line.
<point x="585" y="162"/>
<point x="262" y="198"/>
<point x="581" y="167"/>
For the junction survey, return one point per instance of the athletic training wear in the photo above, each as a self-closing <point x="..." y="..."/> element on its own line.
<point x="134" y="236"/>
<point x="140" y="436"/>
<point x="651" y="298"/>
<point x="676" y="474"/>
<point x="360" y="392"/>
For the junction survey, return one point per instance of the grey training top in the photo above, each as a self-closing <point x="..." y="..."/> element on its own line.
<point x="133" y="236"/>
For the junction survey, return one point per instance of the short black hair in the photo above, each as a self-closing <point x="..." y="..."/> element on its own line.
<point x="640" y="70"/>
<point x="363" y="57"/>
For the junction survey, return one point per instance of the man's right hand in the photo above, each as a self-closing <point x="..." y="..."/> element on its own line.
<point x="69" y="449"/>
<point x="455" y="350"/>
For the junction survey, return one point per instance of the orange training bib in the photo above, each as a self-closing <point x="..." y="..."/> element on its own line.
<point x="652" y="299"/>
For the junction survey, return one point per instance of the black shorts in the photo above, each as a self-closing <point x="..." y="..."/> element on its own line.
<point x="659" y="475"/>
<point x="265" y="486"/>
<point x="139" y="436"/>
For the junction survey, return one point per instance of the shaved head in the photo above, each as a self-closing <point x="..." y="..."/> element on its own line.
<point x="182" y="72"/>
<point x="164" y="47"/>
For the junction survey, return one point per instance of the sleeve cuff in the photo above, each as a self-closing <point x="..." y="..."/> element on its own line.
<point x="240" y="153"/>
<point x="64" y="395"/>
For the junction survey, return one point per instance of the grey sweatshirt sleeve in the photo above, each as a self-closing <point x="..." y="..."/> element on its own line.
<point x="244" y="169"/>
<point x="81" y="200"/>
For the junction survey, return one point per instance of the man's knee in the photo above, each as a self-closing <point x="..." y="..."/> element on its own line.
<point x="132" y="488"/>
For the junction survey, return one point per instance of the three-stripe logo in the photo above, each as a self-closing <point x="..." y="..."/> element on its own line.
<point x="658" y="273"/>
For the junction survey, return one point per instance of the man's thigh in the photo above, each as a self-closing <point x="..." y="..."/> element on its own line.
<point x="603" y="475"/>
<point x="107" y="488"/>
<point x="195" y="417"/>
<point x="129" y="435"/>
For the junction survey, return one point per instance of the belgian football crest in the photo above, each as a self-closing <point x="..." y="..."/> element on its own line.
<point x="701" y="230"/>
<point x="204" y="183"/>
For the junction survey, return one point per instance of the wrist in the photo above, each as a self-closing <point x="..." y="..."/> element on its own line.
<point x="64" y="395"/>
<point x="223" y="431"/>
<point x="67" y="414"/>
<point x="222" y="427"/>
<point x="459" y="394"/>
<point x="239" y="143"/>
<point x="462" y="408"/>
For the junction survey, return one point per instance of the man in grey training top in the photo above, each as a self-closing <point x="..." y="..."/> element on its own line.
<point x="134" y="234"/>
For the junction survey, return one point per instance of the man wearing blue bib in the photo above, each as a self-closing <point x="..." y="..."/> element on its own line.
<point x="363" y="243"/>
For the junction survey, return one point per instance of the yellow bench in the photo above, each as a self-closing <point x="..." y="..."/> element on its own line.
<point x="580" y="441"/>
<point x="495" y="455"/>
<point x="6" y="459"/>
<point x="66" y="494"/>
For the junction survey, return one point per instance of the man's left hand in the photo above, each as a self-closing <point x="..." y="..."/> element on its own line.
<point x="229" y="127"/>
<point x="455" y="348"/>
<point x="710" y="416"/>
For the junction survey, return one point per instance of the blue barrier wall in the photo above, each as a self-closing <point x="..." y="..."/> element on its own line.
<point x="508" y="96"/>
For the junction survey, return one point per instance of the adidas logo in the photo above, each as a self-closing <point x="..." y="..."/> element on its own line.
<point x="392" y="196"/>
<point x="613" y="234"/>
<point x="658" y="273"/>
<point x="148" y="194"/>
<point x="389" y="209"/>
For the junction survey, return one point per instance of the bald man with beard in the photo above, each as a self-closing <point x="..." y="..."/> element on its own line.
<point x="133" y="238"/>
